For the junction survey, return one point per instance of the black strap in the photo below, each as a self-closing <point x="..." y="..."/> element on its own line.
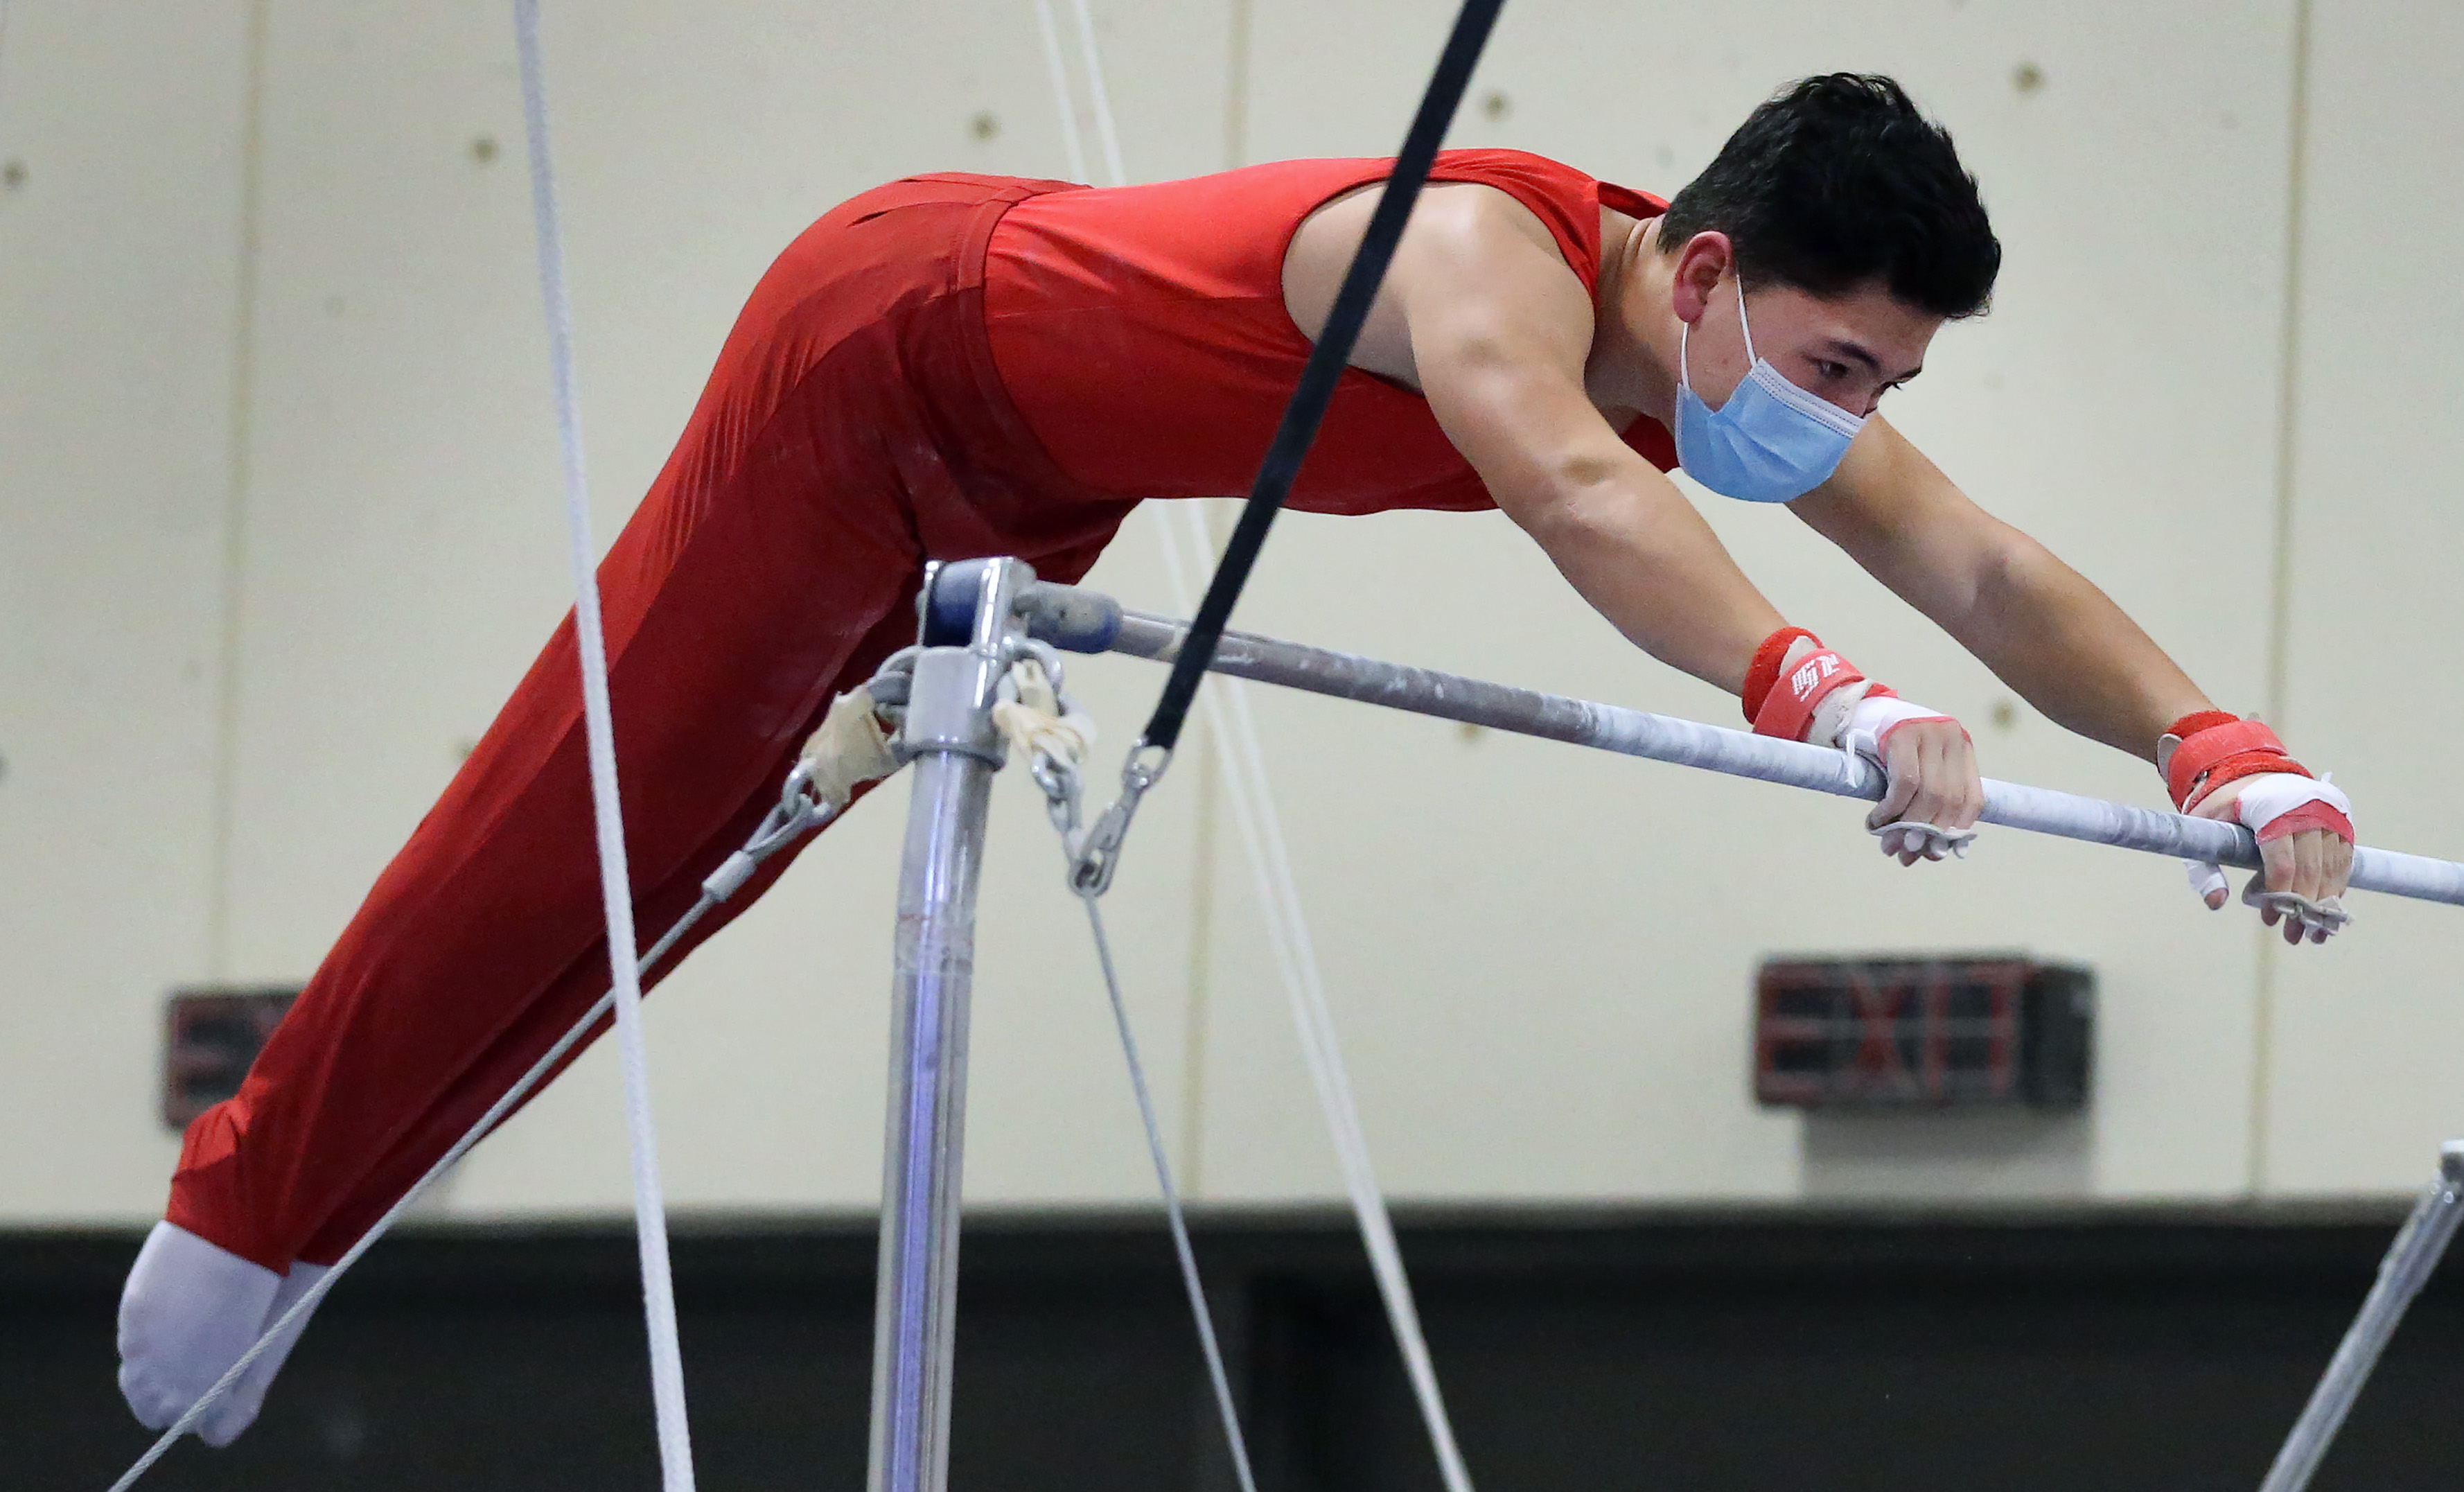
<point x="1326" y="365"/>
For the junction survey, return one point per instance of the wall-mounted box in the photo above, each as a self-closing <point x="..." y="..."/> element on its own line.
<point x="210" y="1038"/>
<point x="1917" y="1032"/>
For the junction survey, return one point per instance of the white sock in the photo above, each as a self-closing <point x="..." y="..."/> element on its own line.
<point x="189" y="1310"/>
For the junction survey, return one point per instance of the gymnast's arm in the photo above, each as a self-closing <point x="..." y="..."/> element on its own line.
<point x="1499" y="330"/>
<point x="2041" y="626"/>
<point x="2036" y="623"/>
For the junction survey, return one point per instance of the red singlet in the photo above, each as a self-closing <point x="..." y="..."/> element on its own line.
<point x="944" y="366"/>
<point x="1141" y="332"/>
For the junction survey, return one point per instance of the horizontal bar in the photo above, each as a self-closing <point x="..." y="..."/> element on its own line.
<point x="1637" y="732"/>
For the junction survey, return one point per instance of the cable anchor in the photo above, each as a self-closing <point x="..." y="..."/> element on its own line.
<point x="800" y="809"/>
<point x="1096" y="854"/>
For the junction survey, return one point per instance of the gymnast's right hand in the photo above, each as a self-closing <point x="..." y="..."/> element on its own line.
<point x="190" y="1311"/>
<point x="1801" y="691"/>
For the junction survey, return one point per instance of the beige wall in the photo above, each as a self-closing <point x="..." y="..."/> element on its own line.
<point x="2359" y="1073"/>
<point x="121" y="132"/>
<point x="278" y="529"/>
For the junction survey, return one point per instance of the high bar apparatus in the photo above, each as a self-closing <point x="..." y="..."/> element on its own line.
<point x="973" y="612"/>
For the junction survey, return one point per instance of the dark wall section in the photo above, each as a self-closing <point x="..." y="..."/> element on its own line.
<point x="1680" y="1353"/>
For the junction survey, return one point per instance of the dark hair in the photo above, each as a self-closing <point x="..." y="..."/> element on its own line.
<point x="1836" y="181"/>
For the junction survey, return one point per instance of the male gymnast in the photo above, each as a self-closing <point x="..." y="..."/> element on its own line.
<point x="956" y="366"/>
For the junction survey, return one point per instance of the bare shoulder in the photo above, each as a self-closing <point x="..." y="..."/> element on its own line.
<point x="1467" y="239"/>
<point x="1450" y="218"/>
<point x="1475" y="216"/>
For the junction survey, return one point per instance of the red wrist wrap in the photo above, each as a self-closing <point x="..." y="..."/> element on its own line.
<point x="2198" y="720"/>
<point x="2213" y="754"/>
<point x="1788" y="707"/>
<point x="1764" y="668"/>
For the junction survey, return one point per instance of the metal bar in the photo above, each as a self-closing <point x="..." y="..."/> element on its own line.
<point x="2410" y="1262"/>
<point x="949" y="734"/>
<point x="1637" y="732"/>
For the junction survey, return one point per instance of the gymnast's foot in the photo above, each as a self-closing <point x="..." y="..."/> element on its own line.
<point x="190" y="1311"/>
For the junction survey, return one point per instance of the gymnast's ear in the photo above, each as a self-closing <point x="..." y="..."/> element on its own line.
<point x="1702" y="264"/>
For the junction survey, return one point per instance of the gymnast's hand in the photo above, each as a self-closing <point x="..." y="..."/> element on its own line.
<point x="1800" y="691"/>
<point x="2302" y="875"/>
<point x="2238" y="772"/>
<point x="1934" y="796"/>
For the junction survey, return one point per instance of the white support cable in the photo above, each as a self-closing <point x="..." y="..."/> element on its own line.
<point x="1244" y="775"/>
<point x="615" y="881"/>
<point x="1068" y="107"/>
<point x="1227" y="1411"/>
<point x="1226" y="704"/>
<point x="1107" y="132"/>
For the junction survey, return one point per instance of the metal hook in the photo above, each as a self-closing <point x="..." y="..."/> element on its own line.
<point x="1098" y="853"/>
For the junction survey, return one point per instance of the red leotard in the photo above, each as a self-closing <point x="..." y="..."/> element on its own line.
<point x="943" y="367"/>
<point x="1169" y="299"/>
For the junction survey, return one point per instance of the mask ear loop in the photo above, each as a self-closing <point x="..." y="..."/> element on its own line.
<point x="1685" y="379"/>
<point x="1743" y="325"/>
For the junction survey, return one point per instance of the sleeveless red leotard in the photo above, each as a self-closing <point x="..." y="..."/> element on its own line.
<point x="942" y="367"/>
<point x="1142" y="333"/>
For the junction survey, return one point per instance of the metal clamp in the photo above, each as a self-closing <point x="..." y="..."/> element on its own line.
<point x="966" y="619"/>
<point x="949" y="706"/>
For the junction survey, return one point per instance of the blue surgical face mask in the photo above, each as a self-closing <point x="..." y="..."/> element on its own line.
<point x="1770" y="442"/>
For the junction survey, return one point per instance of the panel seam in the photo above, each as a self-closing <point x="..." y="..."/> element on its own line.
<point x="238" y="479"/>
<point x="2279" y="607"/>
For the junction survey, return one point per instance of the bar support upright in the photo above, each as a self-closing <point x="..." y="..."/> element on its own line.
<point x="950" y="737"/>
<point x="2410" y="1262"/>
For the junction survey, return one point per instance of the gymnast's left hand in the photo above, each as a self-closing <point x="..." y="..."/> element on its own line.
<point x="2235" y="771"/>
<point x="2303" y="872"/>
<point x="1929" y="809"/>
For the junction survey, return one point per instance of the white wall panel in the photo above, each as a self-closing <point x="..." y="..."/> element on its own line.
<point x="120" y="266"/>
<point x="1543" y="960"/>
<point x="2364" y="1086"/>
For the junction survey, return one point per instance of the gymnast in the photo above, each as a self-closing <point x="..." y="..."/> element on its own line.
<point x="956" y="366"/>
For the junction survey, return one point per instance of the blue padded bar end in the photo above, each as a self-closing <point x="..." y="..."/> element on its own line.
<point x="947" y="605"/>
<point x="1069" y="619"/>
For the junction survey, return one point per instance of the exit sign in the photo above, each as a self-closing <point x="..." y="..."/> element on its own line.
<point x="1902" y="1032"/>
<point x="210" y="1038"/>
